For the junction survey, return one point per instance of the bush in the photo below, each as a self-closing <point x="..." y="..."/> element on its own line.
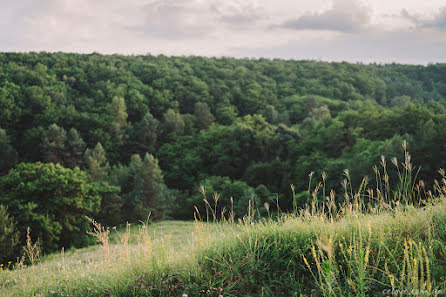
<point x="53" y="201"/>
<point x="9" y="237"/>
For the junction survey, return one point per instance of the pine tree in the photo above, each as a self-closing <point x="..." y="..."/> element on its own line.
<point x="97" y="162"/>
<point x="75" y="148"/>
<point x="8" y="156"/>
<point x="118" y="110"/>
<point x="54" y="144"/>
<point x="147" y="133"/>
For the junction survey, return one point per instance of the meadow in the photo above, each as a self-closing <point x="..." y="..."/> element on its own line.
<point x="377" y="242"/>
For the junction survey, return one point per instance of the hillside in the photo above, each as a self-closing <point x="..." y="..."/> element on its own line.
<point x="131" y="135"/>
<point x="340" y="250"/>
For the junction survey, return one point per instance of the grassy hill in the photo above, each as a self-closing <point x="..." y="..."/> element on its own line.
<point x="356" y="248"/>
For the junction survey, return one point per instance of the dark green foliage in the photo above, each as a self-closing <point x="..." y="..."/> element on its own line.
<point x="142" y="189"/>
<point x="9" y="236"/>
<point x="96" y="161"/>
<point x="262" y="121"/>
<point x="75" y="149"/>
<point x="53" y="201"/>
<point x="8" y="156"/>
<point x="204" y="115"/>
<point x="232" y="195"/>
<point x="147" y="134"/>
<point x="54" y="144"/>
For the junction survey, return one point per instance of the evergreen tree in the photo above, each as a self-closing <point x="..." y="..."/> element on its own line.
<point x="97" y="162"/>
<point x="54" y="144"/>
<point x="8" y="156"/>
<point x="9" y="236"/>
<point x="118" y="110"/>
<point x="75" y="148"/>
<point x="147" y="133"/>
<point x="144" y="190"/>
<point x="156" y="194"/>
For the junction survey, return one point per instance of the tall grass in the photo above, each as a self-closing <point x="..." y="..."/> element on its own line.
<point x="370" y="240"/>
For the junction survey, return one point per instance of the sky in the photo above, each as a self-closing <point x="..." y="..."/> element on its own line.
<point x="378" y="31"/>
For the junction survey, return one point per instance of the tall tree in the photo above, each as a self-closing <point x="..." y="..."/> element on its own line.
<point x="96" y="160"/>
<point x="173" y="122"/>
<point x="75" y="148"/>
<point x="54" y="144"/>
<point x="118" y="110"/>
<point x="8" y="156"/>
<point x="144" y="189"/>
<point x="156" y="194"/>
<point x="204" y="115"/>
<point x="147" y="133"/>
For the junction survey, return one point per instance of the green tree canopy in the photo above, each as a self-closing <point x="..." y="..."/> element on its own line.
<point x="52" y="201"/>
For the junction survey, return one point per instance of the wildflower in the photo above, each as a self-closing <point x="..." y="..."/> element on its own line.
<point x="184" y="295"/>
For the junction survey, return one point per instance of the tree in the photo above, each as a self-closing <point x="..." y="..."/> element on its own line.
<point x="226" y="114"/>
<point x="156" y="195"/>
<point x="96" y="162"/>
<point x="8" y="156"/>
<point x="204" y="115"/>
<point x="75" y="148"/>
<point x="53" y="201"/>
<point x="118" y="110"/>
<point x="143" y="189"/>
<point x="9" y="236"/>
<point x="147" y="133"/>
<point x="54" y="144"/>
<point x="173" y="123"/>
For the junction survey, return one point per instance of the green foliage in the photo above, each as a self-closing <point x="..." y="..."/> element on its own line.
<point x="96" y="162"/>
<point x="223" y="195"/>
<point x="204" y="115"/>
<point x="53" y="201"/>
<point x="262" y="121"/>
<point x="54" y="144"/>
<point x="9" y="236"/>
<point x="118" y="111"/>
<point x="8" y="156"/>
<point x="147" y="133"/>
<point x="75" y="148"/>
<point x="142" y="189"/>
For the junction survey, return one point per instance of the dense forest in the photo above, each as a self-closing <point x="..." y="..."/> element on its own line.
<point x="114" y="137"/>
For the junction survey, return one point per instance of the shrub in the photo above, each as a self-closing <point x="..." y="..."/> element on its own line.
<point x="9" y="237"/>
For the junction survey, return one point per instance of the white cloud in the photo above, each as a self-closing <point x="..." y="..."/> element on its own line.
<point x="343" y="16"/>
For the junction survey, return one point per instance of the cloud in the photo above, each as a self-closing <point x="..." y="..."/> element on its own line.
<point x="238" y="13"/>
<point x="413" y="47"/>
<point x="438" y="22"/>
<point x="189" y="19"/>
<point x="343" y="16"/>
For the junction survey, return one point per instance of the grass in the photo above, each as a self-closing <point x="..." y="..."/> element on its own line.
<point x="369" y="243"/>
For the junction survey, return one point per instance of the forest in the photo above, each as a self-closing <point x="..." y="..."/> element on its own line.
<point x="115" y="137"/>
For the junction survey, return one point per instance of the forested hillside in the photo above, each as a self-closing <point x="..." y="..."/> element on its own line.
<point x="144" y="132"/>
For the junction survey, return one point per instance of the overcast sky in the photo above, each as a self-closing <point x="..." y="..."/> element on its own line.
<point x="405" y="31"/>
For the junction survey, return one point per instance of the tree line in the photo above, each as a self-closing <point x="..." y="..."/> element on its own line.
<point x="117" y="137"/>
